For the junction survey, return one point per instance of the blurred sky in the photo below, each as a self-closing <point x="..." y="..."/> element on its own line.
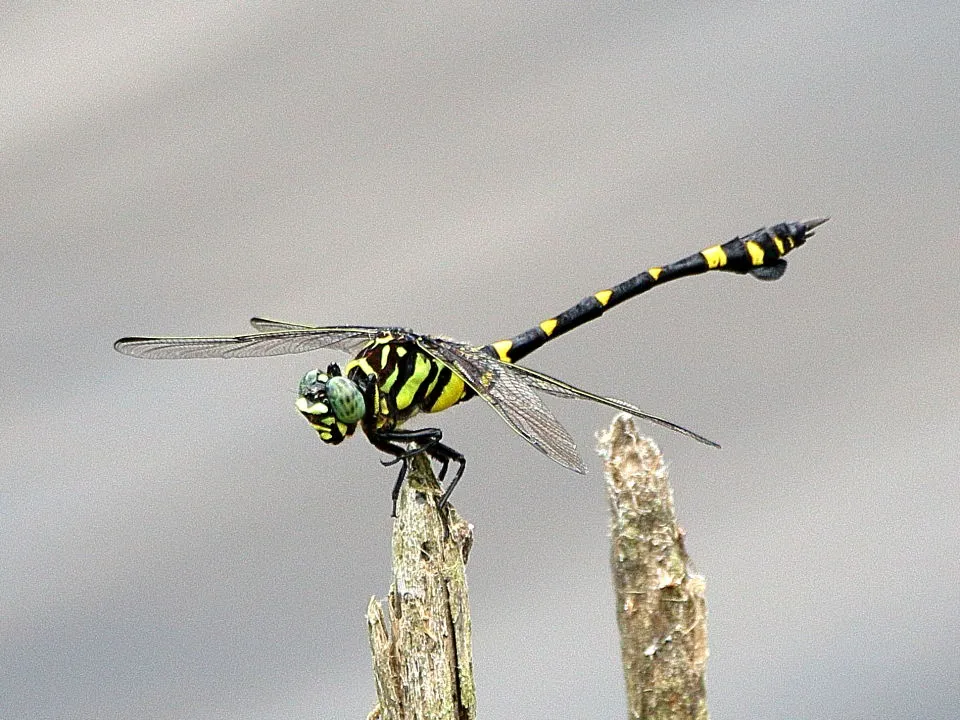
<point x="175" y="542"/>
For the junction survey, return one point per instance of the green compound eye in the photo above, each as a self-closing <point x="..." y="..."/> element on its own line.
<point x="312" y="384"/>
<point x="345" y="400"/>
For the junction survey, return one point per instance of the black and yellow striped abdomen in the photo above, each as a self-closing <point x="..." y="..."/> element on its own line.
<point x="760" y="253"/>
<point x="409" y="381"/>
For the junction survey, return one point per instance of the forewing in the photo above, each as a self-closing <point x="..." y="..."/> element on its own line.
<point x="300" y="339"/>
<point x="269" y="325"/>
<point x="511" y="395"/>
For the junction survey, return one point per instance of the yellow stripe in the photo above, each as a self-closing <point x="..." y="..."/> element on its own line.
<point x="548" y="326"/>
<point x="401" y="351"/>
<point x="421" y="369"/>
<point x="388" y="383"/>
<point x="451" y="393"/>
<point x="715" y="257"/>
<point x="779" y="243"/>
<point x="503" y="348"/>
<point x="359" y="363"/>
<point x="654" y="272"/>
<point x="756" y="252"/>
<point x="603" y="297"/>
<point x="305" y="406"/>
<point x="384" y="356"/>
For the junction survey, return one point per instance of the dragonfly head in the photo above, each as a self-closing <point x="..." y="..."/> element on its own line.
<point x="331" y="403"/>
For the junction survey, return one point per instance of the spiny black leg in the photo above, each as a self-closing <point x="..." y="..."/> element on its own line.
<point x="395" y="494"/>
<point x="425" y="439"/>
<point x="444" y="464"/>
<point x="384" y="445"/>
<point x="428" y="441"/>
<point x="430" y="435"/>
<point x="405" y="455"/>
<point x="444" y="454"/>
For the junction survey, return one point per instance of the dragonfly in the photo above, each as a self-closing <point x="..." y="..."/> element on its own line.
<point x="396" y="374"/>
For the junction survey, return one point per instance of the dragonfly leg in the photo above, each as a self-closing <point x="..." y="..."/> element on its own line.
<point x="395" y="493"/>
<point x="426" y="441"/>
<point x="398" y="453"/>
<point x="444" y="454"/>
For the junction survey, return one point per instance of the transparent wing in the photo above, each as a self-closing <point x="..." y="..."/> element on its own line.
<point x="278" y="338"/>
<point x="267" y="325"/>
<point x="510" y="390"/>
<point x="511" y="395"/>
<point x="553" y="386"/>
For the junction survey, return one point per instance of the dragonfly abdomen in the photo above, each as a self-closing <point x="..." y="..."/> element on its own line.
<point x="760" y="253"/>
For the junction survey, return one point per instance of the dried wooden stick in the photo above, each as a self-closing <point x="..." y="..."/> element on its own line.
<point x="661" y="610"/>
<point x="423" y="663"/>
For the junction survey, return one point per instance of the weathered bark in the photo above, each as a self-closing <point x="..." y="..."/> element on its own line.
<point x="423" y="663"/>
<point x="661" y="610"/>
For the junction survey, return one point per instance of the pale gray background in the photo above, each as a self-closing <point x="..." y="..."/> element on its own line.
<point x="175" y="542"/>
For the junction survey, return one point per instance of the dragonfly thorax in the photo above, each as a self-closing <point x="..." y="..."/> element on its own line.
<point x="331" y="403"/>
